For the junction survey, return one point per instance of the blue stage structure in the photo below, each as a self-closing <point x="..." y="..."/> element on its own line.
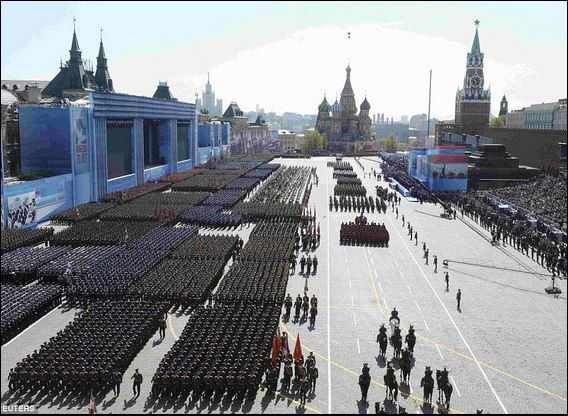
<point x="104" y="143"/>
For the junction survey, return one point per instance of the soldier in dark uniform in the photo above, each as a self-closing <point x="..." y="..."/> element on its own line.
<point x="162" y="325"/>
<point x="302" y="264"/>
<point x="304" y="388"/>
<point x="137" y="383"/>
<point x="313" y="375"/>
<point x="308" y="265"/>
<point x="306" y="305"/>
<point x="313" y="314"/>
<point x="287" y="376"/>
<point x="315" y="263"/>
<point x="288" y="304"/>
<point x="297" y="307"/>
<point x="116" y="380"/>
<point x="293" y="263"/>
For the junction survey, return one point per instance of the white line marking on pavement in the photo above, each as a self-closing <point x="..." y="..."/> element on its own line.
<point x="410" y="385"/>
<point x="395" y="262"/>
<point x="452" y="320"/>
<point x="386" y="306"/>
<point x="30" y="327"/>
<point x="350" y="285"/>
<point x="439" y="352"/>
<point x="372" y="261"/>
<point x="355" y="319"/>
<point x="456" y="386"/>
<point x="409" y="290"/>
<point x="352" y="301"/>
<point x="402" y="274"/>
<point x="328" y="314"/>
<point x="427" y="327"/>
<point x="417" y="305"/>
<point x="358" y="346"/>
<point x="380" y="287"/>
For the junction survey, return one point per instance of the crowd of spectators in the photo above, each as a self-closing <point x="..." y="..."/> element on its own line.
<point x="544" y="196"/>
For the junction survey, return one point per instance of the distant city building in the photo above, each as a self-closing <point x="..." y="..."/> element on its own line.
<point x="545" y="116"/>
<point x="419" y="122"/>
<point x="290" y="141"/>
<point x="344" y="124"/>
<point x="473" y="102"/>
<point x="76" y="78"/>
<point x="404" y="119"/>
<point x="214" y="107"/>
<point x="246" y="138"/>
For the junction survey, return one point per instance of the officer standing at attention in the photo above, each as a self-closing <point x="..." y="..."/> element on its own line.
<point x="137" y="383"/>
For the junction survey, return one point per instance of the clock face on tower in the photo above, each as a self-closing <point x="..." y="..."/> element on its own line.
<point x="475" y="81"/>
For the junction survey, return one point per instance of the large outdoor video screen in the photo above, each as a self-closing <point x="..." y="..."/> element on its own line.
<point x="119" y="151"/>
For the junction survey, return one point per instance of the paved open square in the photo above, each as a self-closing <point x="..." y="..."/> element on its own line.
<point x="505" y="348"/>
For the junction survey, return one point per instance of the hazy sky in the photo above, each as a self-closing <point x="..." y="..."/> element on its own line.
<point x="285" y="56"/>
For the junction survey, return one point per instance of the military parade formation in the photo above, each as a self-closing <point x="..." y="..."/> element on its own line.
<point x="221" y="249"/>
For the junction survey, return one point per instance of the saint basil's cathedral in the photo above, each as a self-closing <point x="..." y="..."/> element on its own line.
<point x="344" y="124"/>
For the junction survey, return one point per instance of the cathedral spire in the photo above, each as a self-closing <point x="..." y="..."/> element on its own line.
<point x="102" y="76"/>
<point x="75" y="52"/>
<point x="101" y="49"/>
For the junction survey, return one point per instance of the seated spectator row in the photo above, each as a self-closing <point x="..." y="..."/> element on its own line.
<point x="13" y="238"/>
<point x="545" y="196"/>
<point x="23" y="305"/>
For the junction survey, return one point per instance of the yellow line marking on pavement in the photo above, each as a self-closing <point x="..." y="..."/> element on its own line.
<point x="285" y="396"/>
<point x="171" y="325"/>
<point x="416" y="400"/>
<point x="542" y="390"/>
